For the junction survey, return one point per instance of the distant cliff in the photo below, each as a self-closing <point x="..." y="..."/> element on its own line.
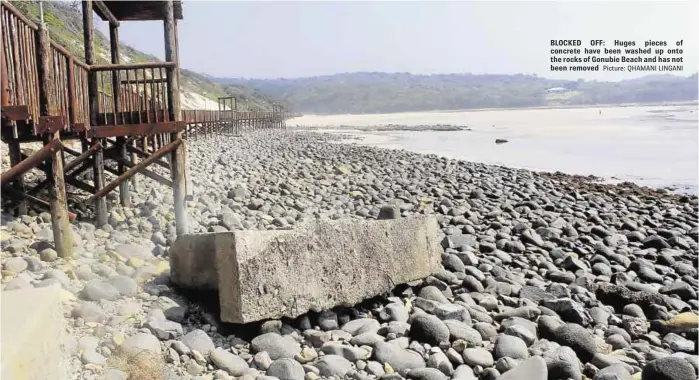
<point x="399" y="92"/>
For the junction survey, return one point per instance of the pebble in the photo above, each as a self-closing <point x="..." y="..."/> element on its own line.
<point x="228" y="362"/>
<point x="198" y="340"/>
<point x="135" y="344"/>
<point x="286" y="369"/>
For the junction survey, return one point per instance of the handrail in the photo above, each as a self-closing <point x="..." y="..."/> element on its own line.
<point x="131" y="66"/>
<point x="15" y="12"/>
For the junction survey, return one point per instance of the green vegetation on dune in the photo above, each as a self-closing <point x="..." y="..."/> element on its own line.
<point x="399" y="92"/>
<point x="64" y="20"/>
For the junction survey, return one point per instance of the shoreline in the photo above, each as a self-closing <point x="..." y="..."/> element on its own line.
<point x="365" y="137"/>
<point x="621" y="105"/>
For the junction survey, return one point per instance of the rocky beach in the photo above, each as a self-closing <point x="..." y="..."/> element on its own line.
<point x="545" y="276"/>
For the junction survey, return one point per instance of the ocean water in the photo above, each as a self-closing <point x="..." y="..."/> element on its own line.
<point x="650" y="145"/>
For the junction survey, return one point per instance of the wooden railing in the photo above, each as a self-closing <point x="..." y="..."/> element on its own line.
<point x="19" y="42"/>
<point x="142" y="96"/>
<point x="82" y="100"/>
<point x="69" y="89"/>
<point x="205" y="122"/>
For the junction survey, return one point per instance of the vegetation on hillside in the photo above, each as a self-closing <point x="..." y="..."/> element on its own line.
<point x="64" y="19"/>
<point x="398" y="92"/>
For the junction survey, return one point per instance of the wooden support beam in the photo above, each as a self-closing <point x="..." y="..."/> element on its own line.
<point x="93" y="100"/>
<point x="113" y="22"/>
<point x="111" y="171"/>
<point x="177" y="158"/>
<point x="62" y="232"/>
<point x="136" y="129"/>
<point x="80" y="185"/>
<point x="71" y="151"/>
<point x="152" y="175"/>
<point x="82" y="157"/>
<point x="15" y="113"/>
<point x="32" y="161"/>
<point x="135" y="170"/>
<point x="49" y="124"/>
<point x="124" y="197"/>
<point x="68" y="167"/>
<point x="69" y="179"/>
<point x="143" y="154"/>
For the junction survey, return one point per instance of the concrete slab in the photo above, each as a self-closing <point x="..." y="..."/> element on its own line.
<point x="31" y="335"/>
<point x="193" y="261"/>
<point x="270" y="274"/>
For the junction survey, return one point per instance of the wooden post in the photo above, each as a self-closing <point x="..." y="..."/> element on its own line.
<point x="93" y="99"/>
<point x="124" y="197"/>
<point x="177" y="157"/>
<point x="62" y="232"/>
<point x="235" y="116"/>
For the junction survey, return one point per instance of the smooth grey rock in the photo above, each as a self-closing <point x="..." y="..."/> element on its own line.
<point x="96" y="290"/>
<point x="361" y="326"/>
<point x="426" y="374"/>
<point x="577" y="338"/>
<point x="89" y="311"/>
<point x="286" y="369"/>
<point x="333" y="365"/>
<point x="92" y="357"/>
<point x="137" y="344"/>
<point x="510" y="347"/>
<point x="233" y="364"/>
<point x="125" y="285"/>
<point x="563" y="363"/>
<point x="429" y="329"/>
<point x="613" y="372"/>
<point x="478" y="356"/>
<point x="16" y="264"/>
<point x="668" y="368"/>
<point x="400" y="359"/>
<point x="198" y="340"/>
<point x="277" y="346"/>
<point x="533" y="368"/>
<point x="346" y="351"/>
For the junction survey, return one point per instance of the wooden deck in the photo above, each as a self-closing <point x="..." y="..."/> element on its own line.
<point x="128" y="114"/>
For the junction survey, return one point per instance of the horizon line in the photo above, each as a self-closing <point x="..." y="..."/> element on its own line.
<point x="440" y="74"/>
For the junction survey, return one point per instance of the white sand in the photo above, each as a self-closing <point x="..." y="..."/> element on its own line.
<point x="651" y="145"/>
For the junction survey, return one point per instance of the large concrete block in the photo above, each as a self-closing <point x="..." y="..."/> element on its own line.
<point x="32" y="332"/>
<point x="271" y="274"/>
<point x="193" y="262"/>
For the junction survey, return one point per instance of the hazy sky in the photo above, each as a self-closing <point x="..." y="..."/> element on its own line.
<point x="266" y="39"/>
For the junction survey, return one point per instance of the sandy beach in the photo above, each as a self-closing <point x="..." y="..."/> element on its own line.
<point x="649" y="145"/>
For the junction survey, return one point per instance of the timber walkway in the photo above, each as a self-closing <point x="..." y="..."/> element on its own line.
<point x="127" y="117"/>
